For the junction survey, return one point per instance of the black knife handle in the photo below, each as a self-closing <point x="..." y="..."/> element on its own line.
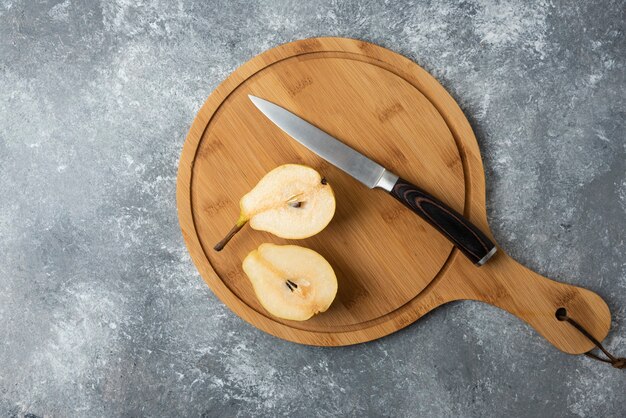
<point x="459" y="230"/>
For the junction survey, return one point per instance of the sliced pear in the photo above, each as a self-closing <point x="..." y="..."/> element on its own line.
<point x="291" y="201"/>
<point x="290" y="281"/>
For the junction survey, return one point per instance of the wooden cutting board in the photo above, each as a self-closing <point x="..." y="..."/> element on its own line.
<point x="392" y="267"/>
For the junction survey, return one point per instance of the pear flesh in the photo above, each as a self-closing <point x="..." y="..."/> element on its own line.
<point x="290" y="281"/>
<point x="291" y="201"/>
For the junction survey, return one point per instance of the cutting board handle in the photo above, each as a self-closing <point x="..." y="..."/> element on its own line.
<point x="505" y="283"/>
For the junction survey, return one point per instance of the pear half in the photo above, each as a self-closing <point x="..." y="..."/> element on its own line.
<point x="291" y="201"/>
<point x="290" y="281"/>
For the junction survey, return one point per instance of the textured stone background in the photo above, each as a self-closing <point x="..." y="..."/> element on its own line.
<point x="102" y="312"/>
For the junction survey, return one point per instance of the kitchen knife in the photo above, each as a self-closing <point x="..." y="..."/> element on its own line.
<point x="459" y="230"/>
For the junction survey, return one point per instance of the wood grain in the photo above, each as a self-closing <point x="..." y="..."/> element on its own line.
<point x="390" y="109"/>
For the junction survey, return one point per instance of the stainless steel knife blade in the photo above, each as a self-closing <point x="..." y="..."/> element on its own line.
<point x="329" y="148"/>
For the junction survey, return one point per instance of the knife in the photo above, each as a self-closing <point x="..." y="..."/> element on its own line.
<point x="459" y="230"/>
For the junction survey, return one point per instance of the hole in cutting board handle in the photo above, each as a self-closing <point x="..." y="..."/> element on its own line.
<point x="561" y="314"/>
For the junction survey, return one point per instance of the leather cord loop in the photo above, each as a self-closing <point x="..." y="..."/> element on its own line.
<point x="617" y="362"/>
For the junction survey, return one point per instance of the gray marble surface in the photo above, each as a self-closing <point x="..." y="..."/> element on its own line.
<point x="102" y="312"/>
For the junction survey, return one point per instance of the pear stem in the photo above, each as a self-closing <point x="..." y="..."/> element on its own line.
<point x="220" y="245"/>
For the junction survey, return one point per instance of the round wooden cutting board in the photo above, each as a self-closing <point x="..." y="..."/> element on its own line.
<point x="392" y="267"/>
